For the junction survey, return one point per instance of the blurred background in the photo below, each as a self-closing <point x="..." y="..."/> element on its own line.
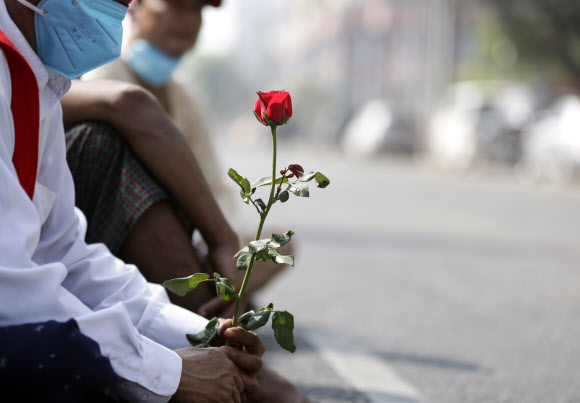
<point x="456" y="82"/>
<point x="446" y="250"/>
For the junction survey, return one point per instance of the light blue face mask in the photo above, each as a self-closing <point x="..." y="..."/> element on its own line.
<point x="150" y="63"/>
<point x="76" y="36"/>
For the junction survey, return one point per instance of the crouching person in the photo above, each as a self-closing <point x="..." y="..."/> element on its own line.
<point x="47" y="271"/>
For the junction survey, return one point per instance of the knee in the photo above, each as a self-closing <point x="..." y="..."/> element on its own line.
<point x="90" y="138"/>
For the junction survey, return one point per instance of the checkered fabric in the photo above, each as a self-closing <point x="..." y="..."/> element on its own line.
<point x="112" y="187"/>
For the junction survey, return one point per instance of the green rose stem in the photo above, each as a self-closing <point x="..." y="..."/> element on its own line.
<point x="258" y="233"/>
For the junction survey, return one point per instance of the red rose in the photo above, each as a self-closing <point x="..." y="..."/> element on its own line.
<point x="277" y="105"/>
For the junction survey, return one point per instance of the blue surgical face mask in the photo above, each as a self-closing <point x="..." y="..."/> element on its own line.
<point x="150" y="63"/>
<point x="76" y="36"/>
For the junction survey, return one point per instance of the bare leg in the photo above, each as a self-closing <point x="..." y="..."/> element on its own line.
<point x="160" y="246"/>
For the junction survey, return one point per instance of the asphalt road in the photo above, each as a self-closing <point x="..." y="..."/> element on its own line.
<point x="466" y="286"/>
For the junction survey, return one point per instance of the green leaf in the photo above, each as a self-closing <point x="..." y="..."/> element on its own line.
<point x="243" y="262"/>
<point x="267" y="119"/>
<point x="283" y="326"/>
<point x="245" y="318"/>
<point x="281" y="259"/>
<point x="203" y="338"/>
<point x="258" y="319"/>
<point x="283" y="196"/>
<point x="261" y="204"/>
<point x="259" y="249"/>
<point x="279" y="240"/>
<point x="267" y="180"/>
<point x="245" y="197"/>
<point x="240" y="180"/>
<point x="257" y="246"/>
<point x="289" y="259"/>
<point x="245" y="249"/>
<point x="181" y="286"/>
<point x="224" y="287"/>
<point x="263" y="255"/>
<point x="256" y="115"/>
<point x="299" y="189"/>
<point x="306" y="176"/>
<point x="321" y="180"/>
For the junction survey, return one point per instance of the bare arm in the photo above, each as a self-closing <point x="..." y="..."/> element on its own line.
<point x="141" y="120"/>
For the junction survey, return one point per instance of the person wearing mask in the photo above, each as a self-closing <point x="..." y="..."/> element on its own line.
<point x="48" y="273"/>
<point x="150" y="154"/>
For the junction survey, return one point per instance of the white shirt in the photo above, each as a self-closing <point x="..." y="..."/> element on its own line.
<point x="48" y="272"/>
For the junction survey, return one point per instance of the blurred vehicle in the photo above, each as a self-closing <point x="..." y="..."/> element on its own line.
<point x="551" y="145"/>
<point x="376" y="127"/>
<point x="479" y="121"/>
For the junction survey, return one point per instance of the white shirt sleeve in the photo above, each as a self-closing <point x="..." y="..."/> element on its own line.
<point x="47" y="272"/>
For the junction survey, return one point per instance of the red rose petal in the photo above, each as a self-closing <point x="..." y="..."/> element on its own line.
<point x="258" y="110"/>
<point x="289" y="106"/>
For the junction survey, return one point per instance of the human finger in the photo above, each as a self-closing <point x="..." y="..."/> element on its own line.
<point x="239" y="382"/>
<point x="220" y="339"/>
<point x="250" y="382"/>
<point x="250" y="340"/>
<point x="236" y="385"/>
<point x="249" y="363"/>
<point x="224" y="324"/>
<point x="236" y="396"/>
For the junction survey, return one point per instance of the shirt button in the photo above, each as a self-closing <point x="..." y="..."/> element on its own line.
<point x="145" y="396"/>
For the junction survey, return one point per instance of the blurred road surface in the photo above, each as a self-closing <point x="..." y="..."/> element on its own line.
<point x="451" y="288"/>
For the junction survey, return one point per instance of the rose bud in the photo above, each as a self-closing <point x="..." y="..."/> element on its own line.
<point x="273" y="108"/>
<point x="295" y="169"/>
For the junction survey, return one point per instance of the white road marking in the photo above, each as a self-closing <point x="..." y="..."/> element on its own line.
<point x="365" y="373"/>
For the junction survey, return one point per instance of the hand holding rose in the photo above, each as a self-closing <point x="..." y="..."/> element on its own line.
<point x="272" y="109"/>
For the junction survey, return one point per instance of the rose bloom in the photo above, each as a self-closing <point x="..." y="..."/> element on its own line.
<point x="277" y="105"/>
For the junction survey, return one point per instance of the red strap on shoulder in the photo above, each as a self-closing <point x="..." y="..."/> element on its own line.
<point x="25" y="111"/>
